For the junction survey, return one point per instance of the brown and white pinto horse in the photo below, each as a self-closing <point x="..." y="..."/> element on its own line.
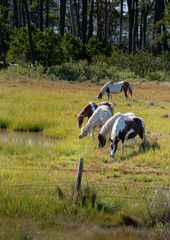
<point x="108" y="126"/>
<point x="98" y="118"/>
<point x="126" y="128"/>
<point x="89" y="109"/>
<point x="115" y="87"/>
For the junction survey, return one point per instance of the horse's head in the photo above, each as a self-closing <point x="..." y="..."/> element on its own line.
<point x="80" y="120"/>
<point x="101" y="140"/>
<point x="99" y="96"/>
<point x="84" y="131"/>
<point x="113" y="148"/>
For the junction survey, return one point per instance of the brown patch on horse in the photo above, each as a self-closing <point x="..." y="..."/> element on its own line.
<point x="125" y="88"/>
<point x="85" y="112"/>
<point x="101" y="140"/>
<point x="108" y="92"/>
<point x="107" y="104"/>
<point x="136" y="125"/>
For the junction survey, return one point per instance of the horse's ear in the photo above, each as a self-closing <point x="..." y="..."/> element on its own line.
<point x="110" y="140"/>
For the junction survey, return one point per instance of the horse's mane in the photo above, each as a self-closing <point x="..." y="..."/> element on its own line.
<point x="81" y="112"/>
<point x="107" y="127"/>
<point x="115" y="128"/>
<point x="104" y="88"/>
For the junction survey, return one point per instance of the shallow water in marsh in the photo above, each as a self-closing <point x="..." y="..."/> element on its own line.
<point x="25" y="138"/>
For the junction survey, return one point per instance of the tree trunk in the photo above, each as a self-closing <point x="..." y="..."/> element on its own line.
<point x="158" y="17"/>
<point x="47" y="14"/>
<point x="91" y="20"/>
<point x="29" y="33"/>
<point x="99" y="23"/>
<point x="131" y="17"/>
<point x="165" y="43"/>
<point x="121" y="20"/>
<point x="105" y="16"/>
<point x="73" y="28"/>
<point x="84" y="22"/>
<point x="62" y="16"/>
<point x="109" y="25"/>
<point x="2" y="48"/>
<point x="41" y="15"/>
<point x="23" y="14"/>
<point x="20" y="14"/>
<point x="15" y="14"/>
<point x="134" y="32"/>
<point x="77" y="7"/>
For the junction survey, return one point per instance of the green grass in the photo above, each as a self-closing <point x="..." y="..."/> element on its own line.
<point x="38" y="182"/>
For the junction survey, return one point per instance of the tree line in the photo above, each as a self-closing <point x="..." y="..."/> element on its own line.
<point x="128" y="24"/>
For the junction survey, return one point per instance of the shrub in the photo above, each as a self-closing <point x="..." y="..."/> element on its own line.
<point x="95" y="48"/>
<point x="72" y="48"/>
<point x="47" y="47"/>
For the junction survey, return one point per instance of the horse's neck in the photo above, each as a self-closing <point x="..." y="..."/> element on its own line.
<point x="107" y="128"/>
<point x="88" y="111"/>
<point x="103" y="90"/>
<point x="116" y="128"/>
<point x="92" y="121"/>
<point x="81" y="114"/>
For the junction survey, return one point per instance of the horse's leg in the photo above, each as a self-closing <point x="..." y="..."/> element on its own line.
<point x="123" y="145"/>
<point x="125" y="91"/>
<point x="142" y="135"/>
<point x="110" y="95"/>
<point x="135" y="141"/>
<point x="92" y="132"/>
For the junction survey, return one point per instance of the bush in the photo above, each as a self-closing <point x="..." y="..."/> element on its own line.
<point x="47" y="47"/>
<point x="72" y="48"/>
<point x="96" y="48"/>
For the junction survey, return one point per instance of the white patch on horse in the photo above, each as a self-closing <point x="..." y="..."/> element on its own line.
<point x="115" y="87"/>
<point x="121" y="126"/>
<point x="112" y="151"/>
<point x="128" y="133"/>
<point x="92" y="106"/>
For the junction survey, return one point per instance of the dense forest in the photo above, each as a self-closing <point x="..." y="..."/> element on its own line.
<point x="52" y="32"/>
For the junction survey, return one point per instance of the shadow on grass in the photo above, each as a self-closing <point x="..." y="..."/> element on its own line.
<point x="143" y="148"/>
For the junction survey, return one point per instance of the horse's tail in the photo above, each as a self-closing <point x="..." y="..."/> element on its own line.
<point x="130" y="89"/>
<point x="144" y="130"/>
<point x="144" y="133"/>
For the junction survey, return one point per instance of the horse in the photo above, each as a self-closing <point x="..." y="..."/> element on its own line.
<point x="115" y="87"/>
<point x="126" y="128"/>
<point x="107" y="127"/>
<point x="98" y="118"/>
<point x="89" y="109"/>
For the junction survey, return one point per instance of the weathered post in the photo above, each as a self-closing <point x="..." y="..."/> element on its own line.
<point x="79" y="174"/>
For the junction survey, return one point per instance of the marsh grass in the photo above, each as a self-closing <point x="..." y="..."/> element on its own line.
<point x="38" y="181"/>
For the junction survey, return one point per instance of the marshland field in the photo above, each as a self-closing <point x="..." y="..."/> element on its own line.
<point x="126" y="197"/>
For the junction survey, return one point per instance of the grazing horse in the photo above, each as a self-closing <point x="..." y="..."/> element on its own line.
<point x="98" y="118"/>
<point x="115" y="87"/>
<point x="89" y="109"/>
<point x="107" y="127"/>
<point x="126" y="128"/>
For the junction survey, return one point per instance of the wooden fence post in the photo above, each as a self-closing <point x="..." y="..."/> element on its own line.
<point x="79" y="174"/>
